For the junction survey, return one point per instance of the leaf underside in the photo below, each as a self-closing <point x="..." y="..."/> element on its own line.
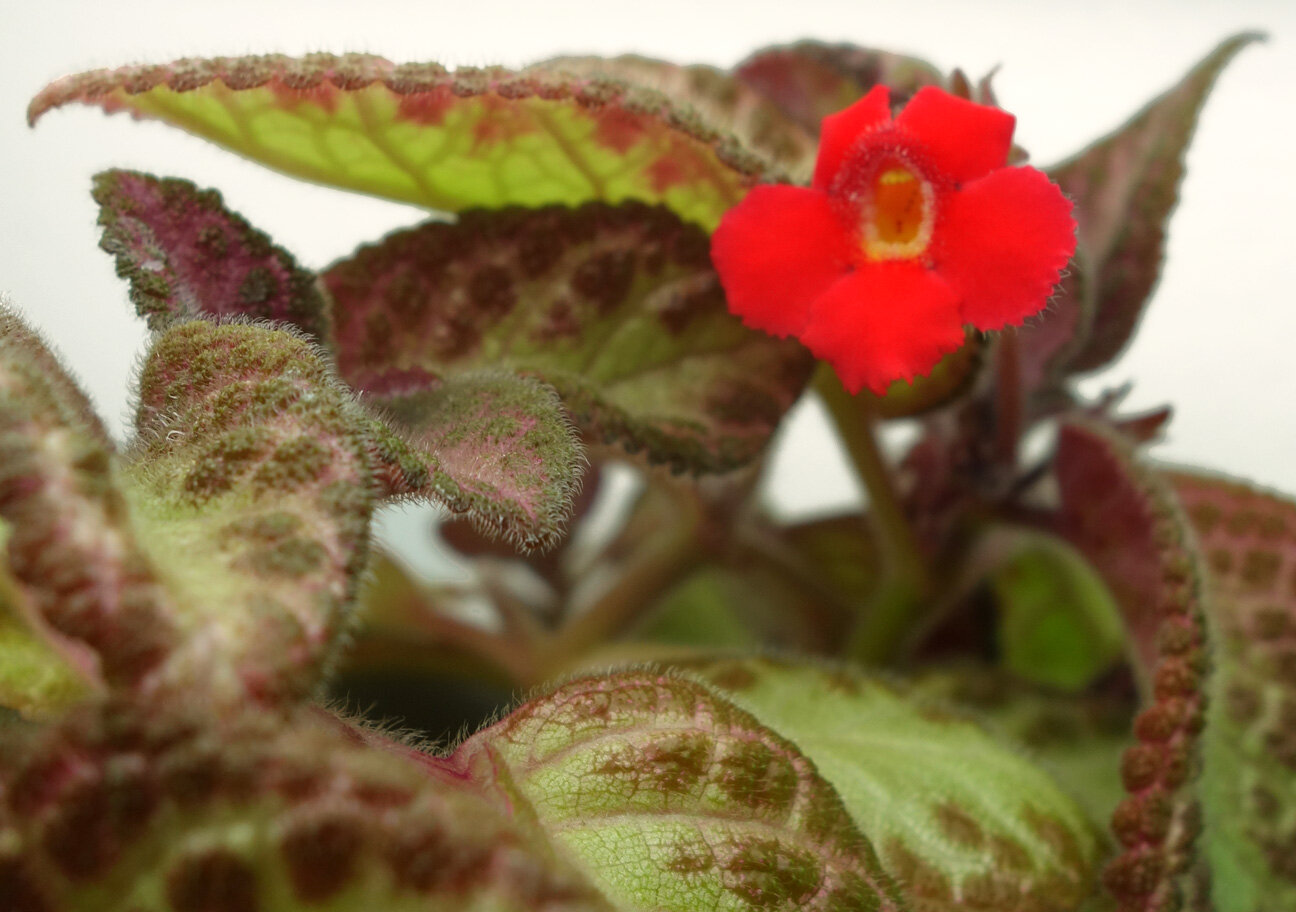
<point x="1125" y="186"/>
<point x="446" y="141"/>
<point x="1128" y="524"/>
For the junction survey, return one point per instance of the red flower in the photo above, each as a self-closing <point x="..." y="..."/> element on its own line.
<point x="910" y="229"/>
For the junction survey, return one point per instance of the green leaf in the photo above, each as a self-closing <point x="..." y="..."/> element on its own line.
<point x="720" y="96"/>
<point x="1248" y="783"/>
<point x="1058" y="623"/>
<point x="618" y="308"/>
<point x="185" y="255"/>
<point x="1124" y="186"/>
<point x="961" y="820"/>
<point x="272" y="812"/>
<point x="81" y="578"/>
<point x="671" y="799"/>
<point x="252" y="481"/>
<point x="1077" y="738"/>
<point x="1127" y="522"/>
<point x="501" y="450"/>
<point x="449" y="141"/>
<point x="810" y="80"/>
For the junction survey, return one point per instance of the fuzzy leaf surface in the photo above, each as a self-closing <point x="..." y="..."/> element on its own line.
<point x="1125" y="187"/>
<point x="1248" y="785"/>
<point x="671" y="799"/>
<point x="618" y="308"/>
<point x="81" y="580"/>
<point x="720" y="96"/>
<point x="1126" y="521"/>
<point x="959" y="819"/>
<point x="126" y="808"/>
<point x="448" y="141"/>
<point x="810" y="80"/>
<point x="252" y="478"/>
<point x="185" y="255"/>
<point x="500" y="449"/>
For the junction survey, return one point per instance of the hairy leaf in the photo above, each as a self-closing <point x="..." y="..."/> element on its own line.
<point x="1077" y="738"/>
<point x="80" y="576"/>
<point x="185" y="254"/>
<point x="960" y="820"/>
<point x="251" y="477"/>
<point x="1248" y="784"/>
<point x="449" y="141"/>
<point x="718" y="95"/>
<point x="149" y="810"/>
<point x="673" y="800"/>
<point x="502" y="451"/>
<point x="1127" y="522"/>
<point x="1124" y="186"/>
<point x="810" y="80"/>
<point x="617" y="307"/>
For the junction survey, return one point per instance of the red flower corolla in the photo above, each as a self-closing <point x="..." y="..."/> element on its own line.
<point x="911" y="228"/>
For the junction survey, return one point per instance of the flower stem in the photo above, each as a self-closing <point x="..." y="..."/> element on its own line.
<point x="882" y="629"/>
<point x="1008" y="400"/>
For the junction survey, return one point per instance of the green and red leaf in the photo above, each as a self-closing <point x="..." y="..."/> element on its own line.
<point x="1248" y="785"/>
<point x="186" y="255"/>
<point x="444" y="140"/>
<point x="1125" y="187"/>
<point x="958" y="819"/>
<point x="671" y="799"/>
<point x="148" y="807"/>
<point x="498" y="447"/>
<point x="252" y="483"/>
<point x="617" y="308"/>
<point x="81" y="580"/>
<point x="1128" y="524"/>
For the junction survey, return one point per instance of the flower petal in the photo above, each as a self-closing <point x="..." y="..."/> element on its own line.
<point x="776" y="251"/>
<point x="889" y="321"/>
<point x="965" y="140"/>
<point x="840" y="131"/>
<point x="1002" y="243"/>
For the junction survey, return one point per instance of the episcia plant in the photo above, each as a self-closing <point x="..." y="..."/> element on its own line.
<point x="1022" y="679"/>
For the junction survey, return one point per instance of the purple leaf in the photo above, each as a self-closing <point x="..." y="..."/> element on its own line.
<point x="186" y="255"/>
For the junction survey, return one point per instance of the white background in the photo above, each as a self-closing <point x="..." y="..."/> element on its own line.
<point x="1218" y="341"/>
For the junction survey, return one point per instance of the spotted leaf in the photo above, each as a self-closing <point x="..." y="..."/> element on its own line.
<point x="500" y="449"/>
<point x="125" y="807"/>
<point x="448" y="141"/>
<point x="252" y="482"/>
<point x="185" y="254"/>
<point x="1248" y="783"/>
<point x="82" y="582"/>
<point x="671" y="799"/>
<point x="617" y="308"/>
<point x="1128" y="524"/>
<point x="959" y="819"/>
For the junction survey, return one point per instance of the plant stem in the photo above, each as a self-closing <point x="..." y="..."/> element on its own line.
<point x="1008" y="400"/>
<point x="882" y="628"/>
<point x="654" y="567"/>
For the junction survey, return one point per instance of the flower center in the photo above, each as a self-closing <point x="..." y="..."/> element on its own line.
<point x="897" y="214"/>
